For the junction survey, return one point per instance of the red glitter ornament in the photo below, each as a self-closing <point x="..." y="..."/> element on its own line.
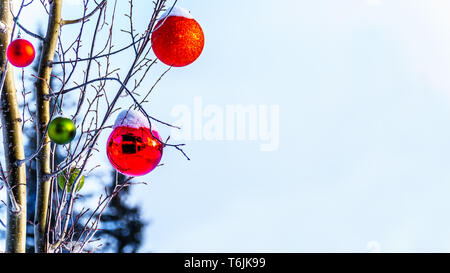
<point x="131" y="148"/>
<point x="20" y="53"/>
<point x="177" y="39"/>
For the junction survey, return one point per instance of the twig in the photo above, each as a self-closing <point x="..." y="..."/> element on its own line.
<point x="84" y="18"/>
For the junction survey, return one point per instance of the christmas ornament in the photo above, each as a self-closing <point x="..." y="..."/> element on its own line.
<point x="61" y="130"/>
<point x="64" y="176"/>
<point x="20" y="53"/>
<point x="131" y="147"/>
<point x="177" y="39"/>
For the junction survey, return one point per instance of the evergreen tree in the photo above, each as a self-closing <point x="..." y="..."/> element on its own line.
<point x="121" y="224"/>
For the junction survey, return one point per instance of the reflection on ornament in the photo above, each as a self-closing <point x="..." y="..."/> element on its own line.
<point x="177" y="39"/>
<point x="20" y="53"/>
<point x="131" y="148"/>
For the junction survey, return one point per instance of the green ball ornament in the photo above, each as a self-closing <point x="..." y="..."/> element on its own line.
<point x="62" y="178"/>
<point x="61" y="130"/>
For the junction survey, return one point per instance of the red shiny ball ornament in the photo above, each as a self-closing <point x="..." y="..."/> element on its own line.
<point x="177" y="39"/>
<point x="20" y="53"/>
<point x="131" y="148"/>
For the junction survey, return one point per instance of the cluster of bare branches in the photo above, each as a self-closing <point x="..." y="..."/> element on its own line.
<point x="92" y="108"/>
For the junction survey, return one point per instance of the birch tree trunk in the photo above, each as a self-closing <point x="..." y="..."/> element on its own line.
<point x="43" y="166"/>
<point x="13" y="146"/>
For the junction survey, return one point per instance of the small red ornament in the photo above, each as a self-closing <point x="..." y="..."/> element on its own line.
<point x="20" y="53"/>
<point x="177" y="39"/>
<point x="131" y="148"/>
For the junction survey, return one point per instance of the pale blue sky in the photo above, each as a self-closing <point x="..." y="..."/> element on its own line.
<point x="363" y="91"/>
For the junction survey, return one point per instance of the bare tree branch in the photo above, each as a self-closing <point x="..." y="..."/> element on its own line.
<point x="43" y="117"/>
<point x="13" y="144"/>
<point x="84" y="18"/>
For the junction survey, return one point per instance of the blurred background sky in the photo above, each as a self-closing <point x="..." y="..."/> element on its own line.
<point x="363" y="88"/>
